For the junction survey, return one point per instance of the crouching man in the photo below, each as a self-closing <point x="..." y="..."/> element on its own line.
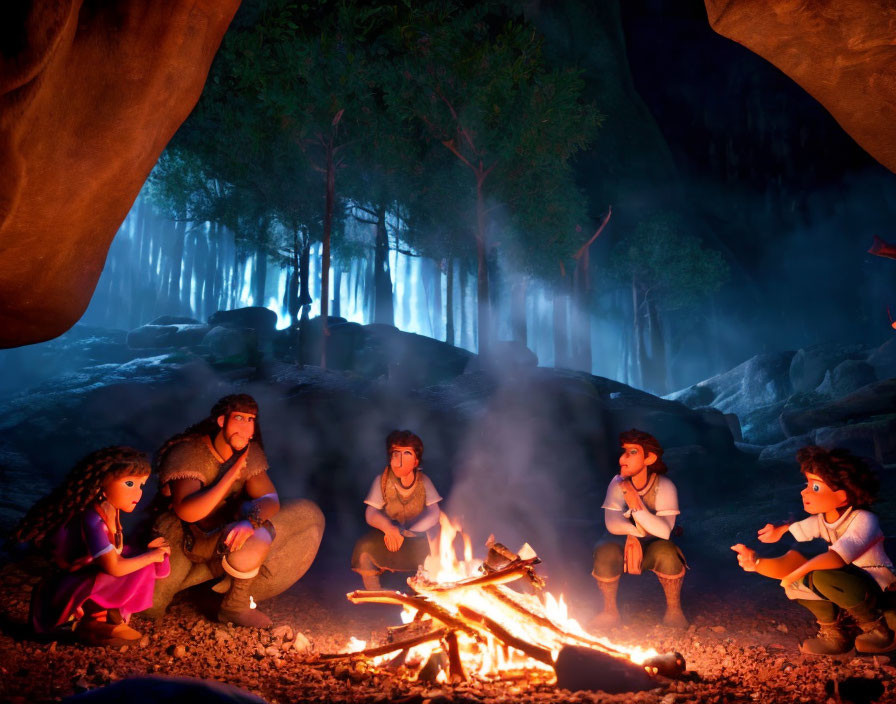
<point x="639" y="513"/>
<point x="223" y="516"/>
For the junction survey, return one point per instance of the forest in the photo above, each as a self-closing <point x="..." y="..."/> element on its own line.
<point x="429" y="179"/>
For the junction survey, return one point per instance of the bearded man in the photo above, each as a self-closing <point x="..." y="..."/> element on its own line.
<point x="224" y="517"/>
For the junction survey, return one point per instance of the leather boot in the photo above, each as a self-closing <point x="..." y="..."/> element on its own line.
<point x="235" y="608"/>
<point x="371" y="582"/>
<point x="831" y="640"/>
<point x="610" y="615"/>
<point x="674" y="616"/>
<point x="876" y="636"/>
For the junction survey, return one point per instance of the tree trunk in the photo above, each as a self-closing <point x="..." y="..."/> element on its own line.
<point x="518" y="328"/>
<point x="638" y="353"/>
<point x="186" y="287"/>
<point x="484" y="313"/>
<point x="292" y="289"/>
<point x="435" y="318"/>
<point x="260" y="277"/>
<point x="581" y="333"/>
<point x="202" y="272"/>
<point x="561" y="332"/>
<point x="325" y="254"/>
<point x="383" y="305"/>
<point x="337" y="287"/>
<point x="449" y="302"/>
<point x="304" y="278"/>
<point x="658" y="378"/>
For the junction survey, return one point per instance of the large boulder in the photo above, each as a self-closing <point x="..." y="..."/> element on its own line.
<point x="810" y="364"/>
<point x="407" y="359"/>
<point x="156" y="335"/>
<point x="883" y="359"/>
<point x="262" y="320"/>
<point x="848" y="376"/>
<point x="90" y="94"/>
<point x="840" y="51"/>
<point x="232" y="346"/>
<point x="877" y="399"/>
<point x="754" y="392"/>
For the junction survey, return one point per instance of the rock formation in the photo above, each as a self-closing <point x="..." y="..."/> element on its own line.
<point x="90" y="94"/>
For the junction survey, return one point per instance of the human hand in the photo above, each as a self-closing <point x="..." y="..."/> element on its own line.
<point x="239" y="533"/>
<point x="160" y="542"/>
<point x="746" y="557"/>
<point x="393" y="539"/>
<point x="772" y="534"/>
<point x="632" y="497"/>
<point x="159" y="554"/>
<point x="633" y="555"/>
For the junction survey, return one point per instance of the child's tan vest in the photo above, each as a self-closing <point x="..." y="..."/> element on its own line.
<point x="402" y="505"/>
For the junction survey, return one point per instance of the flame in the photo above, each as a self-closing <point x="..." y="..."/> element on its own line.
<point x="252" y="604"/>
<point x="484" y="655"/>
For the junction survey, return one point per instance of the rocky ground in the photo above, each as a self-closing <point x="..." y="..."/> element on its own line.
<point x="741" y="647"/>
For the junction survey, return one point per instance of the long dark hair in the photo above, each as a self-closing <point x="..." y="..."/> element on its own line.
<point x="81" y="487"/>
<point x="209" y="426"/>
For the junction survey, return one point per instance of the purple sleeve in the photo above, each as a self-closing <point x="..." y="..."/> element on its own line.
<point x="95" y="535"/>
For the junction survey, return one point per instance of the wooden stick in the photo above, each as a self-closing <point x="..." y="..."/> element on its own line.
<point x="505" y="574"/>
<point x="389" y="647"/>
<point x="455" y="665"/>
<point x="547" y="623"/>
<point x="535" y="652"/>
<point x="415" y="602"/>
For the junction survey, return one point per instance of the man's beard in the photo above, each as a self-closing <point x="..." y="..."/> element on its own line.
<point x="239" y="439"/>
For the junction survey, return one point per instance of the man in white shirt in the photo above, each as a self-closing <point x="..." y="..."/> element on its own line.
<point x="850" y="578"/>
<point x="402" y="505"/>
<point x="641" y="505"/>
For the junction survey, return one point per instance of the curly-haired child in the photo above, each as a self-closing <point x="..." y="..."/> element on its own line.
<point x="99" y="583"/>
<point x="851" y="576"/>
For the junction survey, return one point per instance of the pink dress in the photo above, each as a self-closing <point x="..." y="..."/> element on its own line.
<point x="77" y="545"/>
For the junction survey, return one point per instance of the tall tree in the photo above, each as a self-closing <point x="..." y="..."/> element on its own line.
<point x="667" y="269"/>
<point x="476" y="80"/>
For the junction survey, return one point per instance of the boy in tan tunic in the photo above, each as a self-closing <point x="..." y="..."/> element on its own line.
<point x="402" y="505"/>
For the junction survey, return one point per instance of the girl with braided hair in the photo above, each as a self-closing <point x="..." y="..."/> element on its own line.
<point x="99" y="582"/>
<point x="849" y="580"/>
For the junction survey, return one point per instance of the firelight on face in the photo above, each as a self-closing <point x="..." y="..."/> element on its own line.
<point x="818" y="497"/>
<point x="632" y="461"/>
<point x="124" y="493"/>
<point x="239" y="429"/>
<point x="403" y="460"/>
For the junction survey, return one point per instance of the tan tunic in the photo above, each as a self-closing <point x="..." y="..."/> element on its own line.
<point x="402" y="504"/>
<point x="195" y="457"/>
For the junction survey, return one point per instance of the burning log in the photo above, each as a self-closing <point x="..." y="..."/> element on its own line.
<point x="389" y="647"/>
<point x="361" y="596"/>
<point x="535" y="652"/>
<point x="506" y="574"/>
<point x="455" y="665"/>
<point x="583" y="668"/>
<point x="506" y="599"/>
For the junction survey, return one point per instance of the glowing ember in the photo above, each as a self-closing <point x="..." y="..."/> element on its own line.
<point x="464" y="617"/>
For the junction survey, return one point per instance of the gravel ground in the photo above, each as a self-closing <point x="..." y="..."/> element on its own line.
<point x="740" y="648"/>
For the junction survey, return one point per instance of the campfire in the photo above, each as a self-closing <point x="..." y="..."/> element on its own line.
<point x="462" y="621"/>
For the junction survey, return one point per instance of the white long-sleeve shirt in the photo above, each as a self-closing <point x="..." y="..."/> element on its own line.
<point x="621" y="520"/>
